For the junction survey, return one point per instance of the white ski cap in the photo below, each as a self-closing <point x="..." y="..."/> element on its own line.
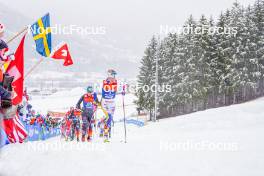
<point x="111" y="73"/>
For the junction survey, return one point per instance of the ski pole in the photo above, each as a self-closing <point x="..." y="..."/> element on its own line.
<point x="123" y="96"/>
<point x="94" y="117"/>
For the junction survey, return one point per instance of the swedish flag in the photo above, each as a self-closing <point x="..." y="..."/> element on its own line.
<point x="42" y="35"/>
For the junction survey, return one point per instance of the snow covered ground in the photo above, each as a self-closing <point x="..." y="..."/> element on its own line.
<point x="225" y="141"/>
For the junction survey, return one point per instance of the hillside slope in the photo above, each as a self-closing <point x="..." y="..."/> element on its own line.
<point x="224" y="141"/>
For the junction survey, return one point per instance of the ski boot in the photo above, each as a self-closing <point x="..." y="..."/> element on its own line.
<point x="77" y="135"/>
<point x="106" y="141"/>
<point x="89" y="139"/>
<point x="106" y="135"/>
<point x="90" y="134"/>
<point x="71" y="138"/>
<point x="83" y="138"/>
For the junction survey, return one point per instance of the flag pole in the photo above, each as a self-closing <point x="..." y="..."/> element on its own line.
<point x="34" y="67"/>
<point x="18" y="34"/>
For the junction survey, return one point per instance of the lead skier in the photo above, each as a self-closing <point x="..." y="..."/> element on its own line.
<point x="108" y="98"/>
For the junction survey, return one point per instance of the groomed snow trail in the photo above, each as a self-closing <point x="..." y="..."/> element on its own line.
<point x="224" y="141"/>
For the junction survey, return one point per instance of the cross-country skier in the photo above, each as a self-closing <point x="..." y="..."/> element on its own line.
<point x="103" y="128"/>
<point x="89" y="101"/>
<point x="64" y="127"/>
<point x="73" y="115"/>
<point x="108" y="98"/>
<point x="67" y="128"/>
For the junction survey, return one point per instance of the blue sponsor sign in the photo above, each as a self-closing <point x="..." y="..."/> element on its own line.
<point x="139" y="123"/>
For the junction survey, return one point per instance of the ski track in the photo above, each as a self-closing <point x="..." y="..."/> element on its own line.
<point x="145" y="154"/>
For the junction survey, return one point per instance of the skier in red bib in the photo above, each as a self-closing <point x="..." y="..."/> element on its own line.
<point x="89" y="101"/>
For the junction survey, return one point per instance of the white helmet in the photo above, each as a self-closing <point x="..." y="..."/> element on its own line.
<point x="2" y="28"/>
<point x="111" y="73"/>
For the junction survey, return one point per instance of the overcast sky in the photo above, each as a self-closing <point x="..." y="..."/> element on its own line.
<point x="130" y="23"/>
